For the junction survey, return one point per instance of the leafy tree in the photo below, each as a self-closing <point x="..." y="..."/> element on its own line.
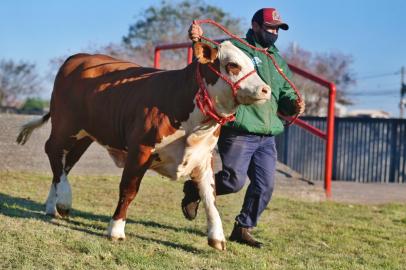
<point x="17" y="80"/>
<point x="169" y="22"/>
<point x="34" y="104"/>
<point x="333" y="66"/>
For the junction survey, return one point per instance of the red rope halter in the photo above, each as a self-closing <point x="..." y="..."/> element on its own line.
<point x="234" y="86"/>
<point x="264" y="51"/>
<point x="203" y="100"/>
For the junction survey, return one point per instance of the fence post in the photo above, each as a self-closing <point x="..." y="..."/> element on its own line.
<point x="337" y="127"/>
<point x="330" y="140"/>
<point x="393" y="148"/>
<point x="189" y="55"/>
<point x="157" y="58"/>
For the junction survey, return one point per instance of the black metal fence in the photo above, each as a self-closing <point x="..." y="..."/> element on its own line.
<point x="365" y="150"/>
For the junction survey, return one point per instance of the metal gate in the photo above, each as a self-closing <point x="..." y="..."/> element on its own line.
<point x="365" y="150"/>
<point x="327" y="136"/>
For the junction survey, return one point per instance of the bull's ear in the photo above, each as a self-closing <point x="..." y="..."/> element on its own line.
<point x="205" y="53"/>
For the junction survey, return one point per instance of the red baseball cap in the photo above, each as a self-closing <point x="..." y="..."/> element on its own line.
<point x="269" y="17"/>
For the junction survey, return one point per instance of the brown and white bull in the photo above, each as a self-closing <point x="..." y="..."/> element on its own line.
<point x="146" y="119"/>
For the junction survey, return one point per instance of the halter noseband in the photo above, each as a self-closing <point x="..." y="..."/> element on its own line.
<point x="205" y="103"/>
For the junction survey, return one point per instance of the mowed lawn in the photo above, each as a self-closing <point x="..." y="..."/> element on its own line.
<point x="298" y="235"/>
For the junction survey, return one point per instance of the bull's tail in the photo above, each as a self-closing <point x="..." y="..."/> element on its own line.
<point x="29" y="127"/>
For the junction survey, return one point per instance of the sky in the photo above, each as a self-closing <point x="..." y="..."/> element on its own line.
<point x="372" y="32"/>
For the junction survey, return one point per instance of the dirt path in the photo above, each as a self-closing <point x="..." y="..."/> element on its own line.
<point x="31" y="157"/>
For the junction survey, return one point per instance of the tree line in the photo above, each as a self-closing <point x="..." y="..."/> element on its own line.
<point x="168" y="23"/>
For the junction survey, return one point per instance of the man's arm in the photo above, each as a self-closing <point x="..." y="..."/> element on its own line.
<point x="289" y="102"/>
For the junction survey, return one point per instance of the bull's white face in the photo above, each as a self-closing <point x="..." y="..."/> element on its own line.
<point x="235" y="64"/>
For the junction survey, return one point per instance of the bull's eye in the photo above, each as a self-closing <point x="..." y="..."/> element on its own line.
<point x="233" y="68"/>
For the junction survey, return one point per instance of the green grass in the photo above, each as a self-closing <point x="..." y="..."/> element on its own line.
<point x="298" y="235"/>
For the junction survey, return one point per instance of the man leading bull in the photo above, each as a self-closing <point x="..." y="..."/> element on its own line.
<point x="247" y="145"/>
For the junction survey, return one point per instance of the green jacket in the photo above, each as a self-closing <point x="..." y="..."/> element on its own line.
<point x="263" y="118"/>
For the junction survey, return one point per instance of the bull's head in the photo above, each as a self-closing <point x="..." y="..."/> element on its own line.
<point x="230" y="77"/>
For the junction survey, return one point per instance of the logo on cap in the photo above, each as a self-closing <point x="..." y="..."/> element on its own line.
<point x="276" y="16"/>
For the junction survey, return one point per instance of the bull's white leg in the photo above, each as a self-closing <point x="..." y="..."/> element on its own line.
<point x="115" y="230"/>
<point x="50" y="205"/>
<point x="60" y="195"/>
<point x="63" y="195"/>
<point x="206" y="186"/>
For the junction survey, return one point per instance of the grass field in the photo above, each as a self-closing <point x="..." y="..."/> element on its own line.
<point x="298" y="235"/>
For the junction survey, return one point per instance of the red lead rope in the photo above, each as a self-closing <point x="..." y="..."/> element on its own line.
<point x="256" y="49"/>
<point x="204" y="102"/>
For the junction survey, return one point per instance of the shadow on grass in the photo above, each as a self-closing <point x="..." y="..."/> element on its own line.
<point x="154" y="224"/>
<point x="186" y="248"/>
<point x="26" y="208"/>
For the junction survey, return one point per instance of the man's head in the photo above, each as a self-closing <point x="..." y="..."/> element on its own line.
<point x="265" y="24"/>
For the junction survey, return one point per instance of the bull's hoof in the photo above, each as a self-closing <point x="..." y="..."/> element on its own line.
<point x="52" y="212"/>
<point x="63" y="212"/>
<point x="115" y="231"/>
<point x="116" y="238"/>
<point x="51" y="215"/>
<point x="217" y="244"/>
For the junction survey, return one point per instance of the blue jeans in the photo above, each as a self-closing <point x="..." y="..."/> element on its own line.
<point x="245" y="155"/>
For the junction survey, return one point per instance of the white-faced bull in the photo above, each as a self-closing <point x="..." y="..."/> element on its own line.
<point x="146" y="119"/>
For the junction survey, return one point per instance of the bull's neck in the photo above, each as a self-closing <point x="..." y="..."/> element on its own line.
<point x="196" y="118"/>
<point x="186" y="89"/>
<point x="182" y="87"/>
<point x="190" y="78"/>
<point x="182" y="84"/>
<point x="199" y="122"/>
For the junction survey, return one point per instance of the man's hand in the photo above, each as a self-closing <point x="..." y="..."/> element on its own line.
<point x="195" y="32"/>
<point x="300" y="106"/>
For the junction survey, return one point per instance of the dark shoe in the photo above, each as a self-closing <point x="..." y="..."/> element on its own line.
<point x="243" y="236"/>
<point x="190" y="202"/>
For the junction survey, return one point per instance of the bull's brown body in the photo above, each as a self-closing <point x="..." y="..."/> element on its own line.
<point x="145" y="118"/>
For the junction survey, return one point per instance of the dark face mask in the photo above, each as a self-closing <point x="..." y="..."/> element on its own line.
<point x="266" y="39"/>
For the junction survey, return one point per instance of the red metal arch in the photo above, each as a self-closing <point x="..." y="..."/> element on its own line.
<point x="328" y="135"/>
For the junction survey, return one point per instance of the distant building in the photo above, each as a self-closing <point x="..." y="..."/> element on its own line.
<point x="8" y="109"/>
<point x="367" y="113"/>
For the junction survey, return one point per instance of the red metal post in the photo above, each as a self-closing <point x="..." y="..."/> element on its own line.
<point x="330" y="140"/>
<point x="157" y="57"/>
<point x="189" y="55"/>
<point x="309" y="128"/>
